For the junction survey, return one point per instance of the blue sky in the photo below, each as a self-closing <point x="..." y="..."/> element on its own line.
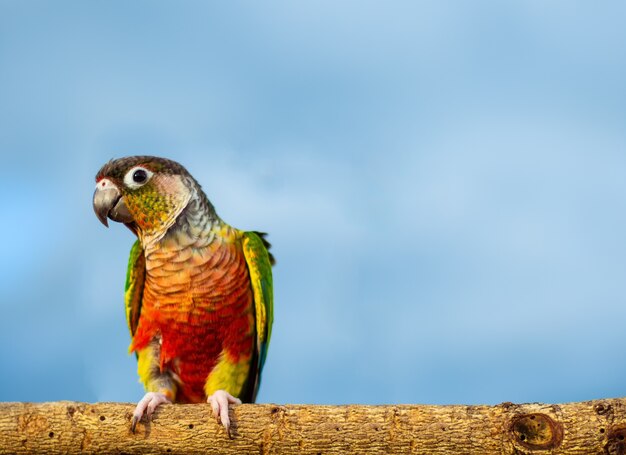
<point x="443" y="183"/>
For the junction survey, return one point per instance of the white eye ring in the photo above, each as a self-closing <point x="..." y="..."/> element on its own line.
<point x="137" y="177"/>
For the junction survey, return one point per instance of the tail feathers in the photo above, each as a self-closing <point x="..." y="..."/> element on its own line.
<point x="267" y="245"/>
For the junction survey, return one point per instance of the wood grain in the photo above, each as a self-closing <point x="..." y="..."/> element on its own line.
<point x="592" y="427"/>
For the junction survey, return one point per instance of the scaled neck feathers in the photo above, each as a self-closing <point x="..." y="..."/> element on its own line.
<point x="193" y="224"/>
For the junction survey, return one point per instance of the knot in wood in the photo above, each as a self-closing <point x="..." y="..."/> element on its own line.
<point x="536" y="431"/>
<point x="616" y="441"/>
<point x="602" y="408"/>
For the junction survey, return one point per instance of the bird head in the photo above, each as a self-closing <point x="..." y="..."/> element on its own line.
<point x="146" y="193"/>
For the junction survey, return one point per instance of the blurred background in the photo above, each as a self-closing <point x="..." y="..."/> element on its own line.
<point x="444" y="186"/>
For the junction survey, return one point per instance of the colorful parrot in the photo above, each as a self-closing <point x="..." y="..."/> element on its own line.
<point x="199" y="299"/>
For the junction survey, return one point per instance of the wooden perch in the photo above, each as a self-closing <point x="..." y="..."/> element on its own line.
<point x="592" y="427"/>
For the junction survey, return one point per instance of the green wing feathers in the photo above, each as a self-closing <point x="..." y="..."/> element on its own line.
<point x="135" y="278"/>
<point x="260" y="262"/>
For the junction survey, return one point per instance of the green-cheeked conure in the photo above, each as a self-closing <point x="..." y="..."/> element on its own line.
<point x="199" y="301"/>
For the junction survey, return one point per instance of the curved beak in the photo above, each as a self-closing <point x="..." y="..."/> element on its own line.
<point x="109" y="203"/>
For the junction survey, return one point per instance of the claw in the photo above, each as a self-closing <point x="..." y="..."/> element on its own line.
<point x="219" y="404"/>
<point x="133" y="424"/>
<point x="147" y="405"/>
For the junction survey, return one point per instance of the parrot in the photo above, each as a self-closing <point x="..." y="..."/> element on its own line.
<point x="198" y="293"/>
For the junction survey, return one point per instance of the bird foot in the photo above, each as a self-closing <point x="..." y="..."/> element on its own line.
<point x="147" y="405"/>
<point x="219" y="403"/>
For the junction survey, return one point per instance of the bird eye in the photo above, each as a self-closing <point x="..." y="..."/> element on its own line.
<point x="140" y="176"/>
<point x="137" y="177"/>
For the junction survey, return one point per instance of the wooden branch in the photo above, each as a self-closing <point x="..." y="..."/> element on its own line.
<point x="592" y="427"/>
